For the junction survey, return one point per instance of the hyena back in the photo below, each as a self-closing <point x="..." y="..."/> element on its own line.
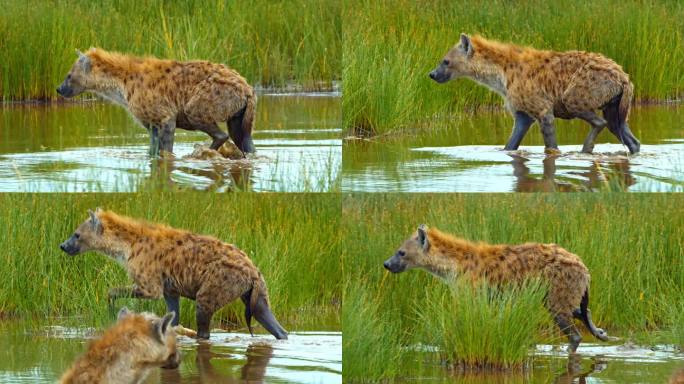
<point x="165" y="94"/>
<point x="127" y="351"/>
<point x="543" y="85"/>
<point x="449" y="257"/>
<point x="168" y="262"/>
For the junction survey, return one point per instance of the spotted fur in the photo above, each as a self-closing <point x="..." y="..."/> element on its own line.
<point x="449" y="257"/>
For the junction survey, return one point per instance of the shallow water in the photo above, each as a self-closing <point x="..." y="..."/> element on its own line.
<point x="469" y="158"/>
<point x="43" y="354"/>
<point x="98" y="147"/>
<point x="593" y="363"/>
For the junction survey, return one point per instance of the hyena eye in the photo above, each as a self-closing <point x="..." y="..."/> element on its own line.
<point x="77" y="235"/>
<point x="445" y="62"/>
<point x="401" y="253"/>
<point x="69" y="76"/>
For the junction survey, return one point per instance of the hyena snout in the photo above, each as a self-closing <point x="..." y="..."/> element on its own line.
<point x="173" y="361"/>
<point x="440" y="74"/>
<point x="394" y="264"/>
<point x="69" y="246"/>
<point x="65" y="90"/>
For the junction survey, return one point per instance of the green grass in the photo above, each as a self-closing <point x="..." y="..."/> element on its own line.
<point x="629" y="242"/>
<point x="391" y="45"/>
<point x="290" y="238"/>
<point x="479" y="328"/>
<point x="271" y="43"/>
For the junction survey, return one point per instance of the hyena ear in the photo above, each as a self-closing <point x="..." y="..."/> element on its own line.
<point x="95" y="221"/>
<point x="466" y="45"/>
<point x="123" y="312"/>
<point x="161" y="326"/>
<point x="83" y="61"/>
<point x="422" y="237"/>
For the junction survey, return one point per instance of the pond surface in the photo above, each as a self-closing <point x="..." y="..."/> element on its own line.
<point x="41" y="356"/>
<point x="468" y="157"/>
<point x="593" y="363"/>
<point x="98" y="147"/>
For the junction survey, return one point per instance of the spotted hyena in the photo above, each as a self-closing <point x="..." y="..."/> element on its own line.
<point x="127" y="352"/>
<point x="165" y="94"/>
<point x="543" y="85"/>
<point x="168" y="262"/>
<point x="447" y="257"/>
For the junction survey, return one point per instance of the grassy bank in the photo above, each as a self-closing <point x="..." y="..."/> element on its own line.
<point x="391" y="45"/>
<point x="271" y="43"/>
<point x="288" y="237"/>
<point x="630" y="244"/>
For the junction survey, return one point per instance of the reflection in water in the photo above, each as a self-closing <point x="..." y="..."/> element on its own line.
<point x="95" y="147"/>
<point x="468" y="156"/>
<point x="258" y="356"/>
<point x="219" y="175"/>
<point x="575" y="371"/>
<point x="593" y="177"/>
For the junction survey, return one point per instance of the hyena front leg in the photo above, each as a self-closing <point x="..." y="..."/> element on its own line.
<point x="154" y="138"/>
<point x="217" y="135"/>
<point x="168" y="131"/>
<point x="566" y="325"/>
<point x="523" y="121"/>
<point x="173" y="305"/>
<point x="549" y="133"/>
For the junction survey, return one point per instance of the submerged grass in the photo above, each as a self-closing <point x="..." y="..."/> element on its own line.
<point x="271" y="43"/>
<point x="288" y="237"/>
<point x="391" y="45"/>
<point x="629" y="242"/>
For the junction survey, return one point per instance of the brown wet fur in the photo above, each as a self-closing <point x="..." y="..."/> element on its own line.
<point x="164" y="260"/>
<point x="196" y="95"/>
<point x="125" y="353"/>
<point x="542" y="83"/>
<point x="448" y="257"/>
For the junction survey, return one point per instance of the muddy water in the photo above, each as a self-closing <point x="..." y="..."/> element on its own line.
<point x="98" y="147"/>
<point x="41" y="355"/>
<point x="469" y="158"/>
<point x="594" y="363"/>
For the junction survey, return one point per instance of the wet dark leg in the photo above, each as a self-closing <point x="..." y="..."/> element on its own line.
<point x="167" y="133"/>
<point x="203" y="322"/>
<point x="564" y="322"/>
<point x="597" y="125"/>
<point x="549" y="132"/>
<point x="173" y="305"/>
<point x="523" y="121"/>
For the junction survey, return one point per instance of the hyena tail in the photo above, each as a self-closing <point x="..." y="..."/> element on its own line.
<point x="240" y="126"/>
<point x="257" y="305"/>
<point x="616" y="112"/>
<point x="585" y="315"/>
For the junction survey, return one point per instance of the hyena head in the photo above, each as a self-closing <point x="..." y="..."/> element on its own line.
<point x="412" y="254"/>
<point x="158" y="338"/>
<point x="79" y="78"/>
<point x="87" y="236"/>
<point x="458" y="62"/>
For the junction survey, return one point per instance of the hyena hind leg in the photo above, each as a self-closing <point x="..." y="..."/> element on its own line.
<point x="566" y="325"/>
<point x="597" y="125"/>
<point x="203" y="322"/>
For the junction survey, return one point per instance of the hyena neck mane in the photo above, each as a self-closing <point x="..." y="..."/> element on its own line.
<point x="493" y="62"/>
<point x="120" y="233"/>
<point x="113" y="73"/>
<point x="451" y="256"/>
